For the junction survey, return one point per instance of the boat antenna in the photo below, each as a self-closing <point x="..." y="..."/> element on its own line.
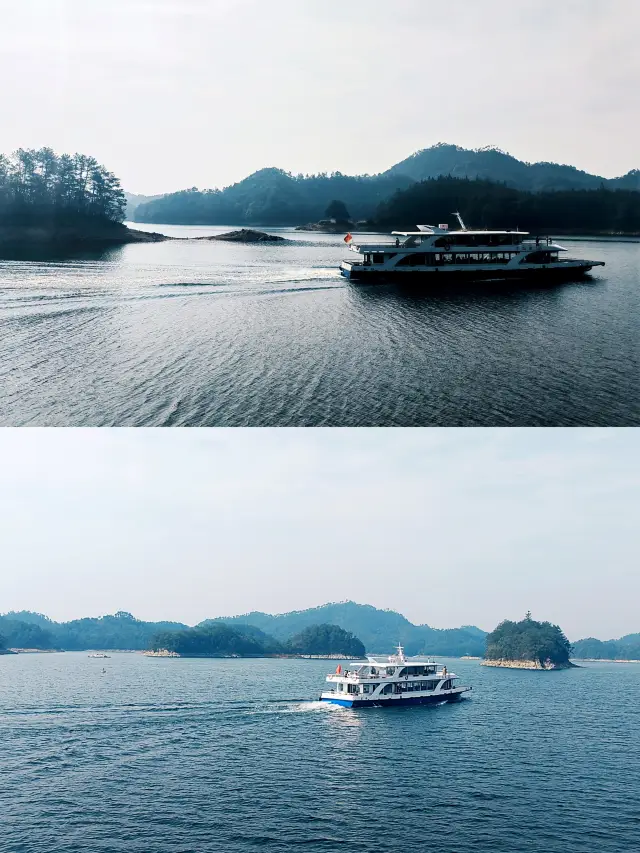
<point x="463" y="227"/>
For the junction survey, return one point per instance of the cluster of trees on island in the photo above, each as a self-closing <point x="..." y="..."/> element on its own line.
<point x="484" y="204"/>
<point x="538" y="642"/>
<point x="338" y="628"/>
<point x="38" y="186"/>
<point x="218" y="638"/>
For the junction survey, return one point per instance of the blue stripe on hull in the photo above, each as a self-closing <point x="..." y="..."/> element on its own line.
<point x="344" y="703"/>
<point x="384" y="703"/>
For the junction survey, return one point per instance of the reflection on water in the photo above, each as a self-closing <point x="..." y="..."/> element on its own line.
<point x="204" y="334"/>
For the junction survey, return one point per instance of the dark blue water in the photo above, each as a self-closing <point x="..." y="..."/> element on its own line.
<point x="169" y="756"/>
<point x="213" y="334"/>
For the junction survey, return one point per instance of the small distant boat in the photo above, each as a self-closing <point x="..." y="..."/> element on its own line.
<point x="396" y="680"/>
<point x="436" y="254"/>
<point x="98" y="655"/>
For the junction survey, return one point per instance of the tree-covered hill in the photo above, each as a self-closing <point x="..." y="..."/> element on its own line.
<point x="626" y="648"/>
<point x="218" y="639"/>
<point x="275" y="197"/>
<point x="325" y="640"/>
<point x="271" y="197"/>
<point x="496" y="206"/>
<point x="528" y="640"/>
<point x="26" y="630"/>
<point x="379" y="630"/>
<point x="492" y="164"/>
<point x="212" y="640"/>
<point x="134" y="200"/>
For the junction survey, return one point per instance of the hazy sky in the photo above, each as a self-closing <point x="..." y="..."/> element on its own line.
<point x="449" y="527"/>
<point x="178" y="93"/>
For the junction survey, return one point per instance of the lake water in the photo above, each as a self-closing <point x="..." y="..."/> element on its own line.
<point x="174" y="756"/>
<point x="213" y="334"/>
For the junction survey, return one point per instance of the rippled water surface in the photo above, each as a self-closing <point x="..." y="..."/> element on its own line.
<point x="204" y="755"/>
<point x="204" y="334"/>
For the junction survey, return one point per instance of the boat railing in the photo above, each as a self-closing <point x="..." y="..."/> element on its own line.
<point x="356" y="676"/>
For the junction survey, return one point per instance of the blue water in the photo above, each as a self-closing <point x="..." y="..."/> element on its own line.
<point x="215" y="334"/>
<point x="170" y="756"/>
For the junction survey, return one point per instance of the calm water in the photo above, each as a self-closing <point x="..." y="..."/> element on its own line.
<point x="204" y="334"/>
<point x="180" y="755"/>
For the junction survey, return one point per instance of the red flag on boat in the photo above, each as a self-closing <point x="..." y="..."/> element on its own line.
<point x="338" y="669"/>
<point x="348" y="238"/>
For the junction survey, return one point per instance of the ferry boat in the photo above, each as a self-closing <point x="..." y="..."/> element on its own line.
<point x="98" y="655"/>
<point x="395" y="680"/>
<point x="435" y="254"/>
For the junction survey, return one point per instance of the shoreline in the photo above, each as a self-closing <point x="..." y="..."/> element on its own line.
<point x="20" y="238"/>
<point x="527" y="664"/>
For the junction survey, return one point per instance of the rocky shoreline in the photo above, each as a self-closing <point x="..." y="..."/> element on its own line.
<point x="527" y="664"/>
<point x="17" y="237"/>
<point x="246" y="235"/>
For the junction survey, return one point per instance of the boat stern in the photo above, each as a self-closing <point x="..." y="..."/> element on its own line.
<point x="333" y="699"/>
<point x="346" y="269"/>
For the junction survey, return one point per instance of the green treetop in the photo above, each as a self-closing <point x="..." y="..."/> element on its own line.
<point x="528" y="640"/>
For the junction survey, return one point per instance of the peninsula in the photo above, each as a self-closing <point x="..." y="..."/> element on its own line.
<point x="61" y="202"/>
<point x="528" y="645"/>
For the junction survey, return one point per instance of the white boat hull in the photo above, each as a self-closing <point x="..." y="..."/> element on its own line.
<point x="394" y="700"/>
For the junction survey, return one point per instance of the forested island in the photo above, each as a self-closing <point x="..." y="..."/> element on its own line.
<point x="216" y="639"/>
<point x="627" y="648"/>
<point x="490" y="188"/>
<point x="528" y="645"/>
<point x="67" y="200"/>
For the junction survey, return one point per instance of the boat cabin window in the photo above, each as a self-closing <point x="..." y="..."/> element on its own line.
<point x="447" y="685"/>
<point x="378" y="258"/>
<point x="390" y="670"/>
<point x="539" y="258"/>
<point x="352" y="688"/>
<point x="369" y="688"/>
<point x="415" y="260"/>
<point x="388" y="688"/>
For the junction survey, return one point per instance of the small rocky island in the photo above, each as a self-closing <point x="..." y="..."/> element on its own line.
<point x="246" y="235"/>
<point x="338" y="220"/>
<point x="528" y="645"/>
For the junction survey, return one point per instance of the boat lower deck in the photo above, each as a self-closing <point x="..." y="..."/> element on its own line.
<point x="561" y="271"/>
<point x="394" y="701"/>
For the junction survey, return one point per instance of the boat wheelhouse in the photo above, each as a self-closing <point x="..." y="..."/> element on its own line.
<point x="395" y="680"/>
<point x="434" y="252"/>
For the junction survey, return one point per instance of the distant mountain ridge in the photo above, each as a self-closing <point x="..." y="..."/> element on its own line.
<point x="492" y="164"/>
<point x="379" y="630"/>
<point x="275" y="197"/>
<point x="626" y="648"/>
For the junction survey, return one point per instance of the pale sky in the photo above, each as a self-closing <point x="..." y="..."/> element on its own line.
<point x="447" y="526"/>
<point x="178" y="93"/>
